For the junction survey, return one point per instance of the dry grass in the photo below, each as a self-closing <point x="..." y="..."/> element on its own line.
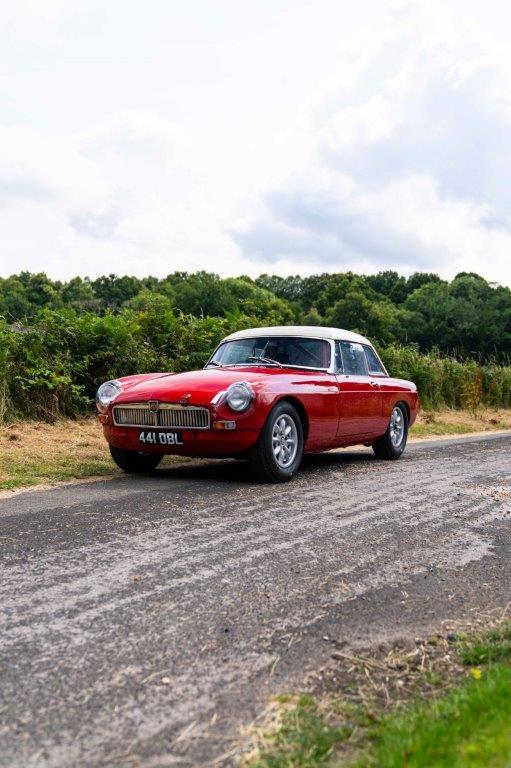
<point x="451" y="422"/>
<point x="34" y="452"/>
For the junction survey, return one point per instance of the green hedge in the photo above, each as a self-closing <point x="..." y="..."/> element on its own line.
<point x="54" y="367"/>
<point x="447" y="382"/>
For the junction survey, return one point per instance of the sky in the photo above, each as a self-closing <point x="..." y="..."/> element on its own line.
<point x="255" y="136"/>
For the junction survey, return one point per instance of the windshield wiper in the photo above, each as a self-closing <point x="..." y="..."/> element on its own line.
<point x="264" y="360"/>
<point x="267" y="360"/>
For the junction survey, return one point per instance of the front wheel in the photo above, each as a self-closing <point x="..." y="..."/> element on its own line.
<point x="392" y="444"/>
<point x="276" y="456"/>
<point x="135" y="462"/>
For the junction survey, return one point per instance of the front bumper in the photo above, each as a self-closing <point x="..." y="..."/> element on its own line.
<point x="205" y="443"/>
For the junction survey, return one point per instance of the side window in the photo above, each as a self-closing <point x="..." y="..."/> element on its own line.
<point x="353" y="358"/>
<point x="373" y="364"/>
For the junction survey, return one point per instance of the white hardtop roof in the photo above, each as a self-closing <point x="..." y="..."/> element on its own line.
<point x="311" y="331"/>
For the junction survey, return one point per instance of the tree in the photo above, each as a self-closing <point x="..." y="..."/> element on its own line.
<point x="258" y="302"/>
<point x="419" y="279"/>
<point x="23" y="295"/>
<point x="79" y="294"/>
<point x="389" y="284"/>
<point x="14" y="302"/>
<point x="288" y="288"/>
<point x="355" y="312"/>
<point x="40" y="290"/>
<point x="113" y="291"/>
<point x="466" y="317"/>
<point x="312" y="317"/>
<point x="201" y="293"/>
<point x="149" y="301"/>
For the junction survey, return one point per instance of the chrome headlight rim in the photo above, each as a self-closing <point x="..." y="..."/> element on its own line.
<point x="239" y="396"/>
<point x="107" y="393"/>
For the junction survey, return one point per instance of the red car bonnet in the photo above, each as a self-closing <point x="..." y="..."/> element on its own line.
<point x="201" y="385"/>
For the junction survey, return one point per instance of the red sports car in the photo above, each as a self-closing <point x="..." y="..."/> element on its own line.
<point x="266" y="394"/>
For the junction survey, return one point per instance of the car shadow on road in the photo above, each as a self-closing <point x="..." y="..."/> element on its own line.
<point x="233" y="471"/>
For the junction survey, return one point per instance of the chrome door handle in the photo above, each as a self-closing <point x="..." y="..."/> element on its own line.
<point x="375" y="384"/>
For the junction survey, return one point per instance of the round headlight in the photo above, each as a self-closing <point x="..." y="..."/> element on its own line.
<point x="239" y="396"/>
<point x="106" y="393"/>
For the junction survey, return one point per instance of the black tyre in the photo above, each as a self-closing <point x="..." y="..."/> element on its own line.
<point x="135" y="462"/>
<point x="276" y="456"/>
<point x="392" y="444"/>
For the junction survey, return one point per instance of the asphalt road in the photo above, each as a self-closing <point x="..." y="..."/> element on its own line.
<point x="143" y="620"/>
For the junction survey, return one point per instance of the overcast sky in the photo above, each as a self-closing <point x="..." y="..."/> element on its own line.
<point x="255" y="135"/>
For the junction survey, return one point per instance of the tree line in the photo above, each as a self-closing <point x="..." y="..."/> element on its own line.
<point x="59" y="340"/>
<point x="466" y="317"/>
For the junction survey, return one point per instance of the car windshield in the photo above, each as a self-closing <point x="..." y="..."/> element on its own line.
<point x="274" y="351"/>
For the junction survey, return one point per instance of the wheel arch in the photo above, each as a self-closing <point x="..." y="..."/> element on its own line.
<point x="301" y="410"/>
<point x="406" y="407"/>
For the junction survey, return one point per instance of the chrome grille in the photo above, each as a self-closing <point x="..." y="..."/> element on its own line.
<point x="167" y="415"/>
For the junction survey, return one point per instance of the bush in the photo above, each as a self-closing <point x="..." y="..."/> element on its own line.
<point x="54" y="367"/>
<point x="447" y="382"/>
<point x="37" y="375"/>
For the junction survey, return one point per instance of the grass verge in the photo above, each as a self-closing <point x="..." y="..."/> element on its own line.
<point x="468" y="728"/>
<point x="451" y="422"/>
<point x="34" y="452"/>
<point x="445" y="704"/>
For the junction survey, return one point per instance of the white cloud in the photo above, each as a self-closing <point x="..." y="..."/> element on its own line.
<point x="122" y="197"/>
<point x="411" y="169"/>
<point x="277" y="136"/>
<point x="370" y="122"/>
<point x="46" y="167"/>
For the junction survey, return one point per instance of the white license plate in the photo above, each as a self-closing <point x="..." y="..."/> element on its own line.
<point x="151" y="437"/>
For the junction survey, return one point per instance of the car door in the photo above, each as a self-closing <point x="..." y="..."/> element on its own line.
<point x="380" y="381"/>
<point x="360" y="398"/>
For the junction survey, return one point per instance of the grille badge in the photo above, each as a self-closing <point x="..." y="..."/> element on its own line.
<point x="185" y="399"/>
<point x="154" y="405"/>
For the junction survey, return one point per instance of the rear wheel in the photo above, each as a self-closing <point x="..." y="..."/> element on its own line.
<point x="135" y="462"/>
<point x="276" y="456"/>
<point x="393" y="442"/>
